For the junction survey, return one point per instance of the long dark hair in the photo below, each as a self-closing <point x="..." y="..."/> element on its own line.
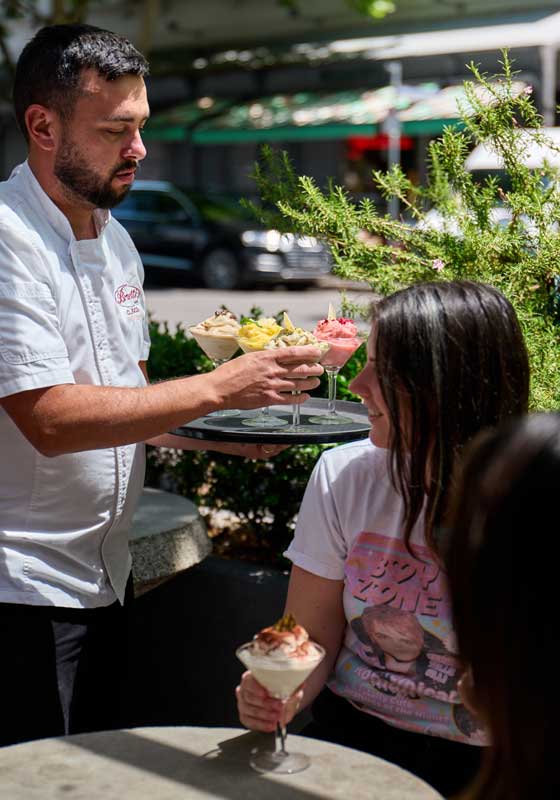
<point x="505" y="600"/>
<point x="451" y="360"/>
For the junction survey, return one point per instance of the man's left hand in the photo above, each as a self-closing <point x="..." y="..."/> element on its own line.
<point x="255" y="451"/>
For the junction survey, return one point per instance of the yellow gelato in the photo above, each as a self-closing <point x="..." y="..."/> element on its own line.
<point x="255" y="334"/>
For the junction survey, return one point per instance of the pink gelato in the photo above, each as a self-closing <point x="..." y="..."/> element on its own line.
<point x="342" y="336"/>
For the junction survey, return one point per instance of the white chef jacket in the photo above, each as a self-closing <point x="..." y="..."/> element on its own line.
<point x="70" y="312"/>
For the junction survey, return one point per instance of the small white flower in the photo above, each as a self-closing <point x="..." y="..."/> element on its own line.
<point x="438" y="264"/>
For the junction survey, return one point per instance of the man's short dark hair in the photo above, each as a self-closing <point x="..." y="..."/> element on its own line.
<point x="50" y="66"/>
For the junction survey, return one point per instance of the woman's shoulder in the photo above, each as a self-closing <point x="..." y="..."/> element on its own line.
<point x="355" y="455"/>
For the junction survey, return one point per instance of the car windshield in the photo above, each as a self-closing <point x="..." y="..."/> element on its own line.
<point x="220" y="208"/>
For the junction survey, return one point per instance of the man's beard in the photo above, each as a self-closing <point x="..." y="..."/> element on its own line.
<point x="73" y="172"/>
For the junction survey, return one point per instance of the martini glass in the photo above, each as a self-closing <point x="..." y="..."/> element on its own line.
<point x="281" y="678"/>
<point x="219" y="349"/>
<point x="340" y="350"/>
<point x="296" y="407"/>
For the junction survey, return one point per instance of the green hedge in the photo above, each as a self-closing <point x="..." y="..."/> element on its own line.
<point x="264" y="495"/>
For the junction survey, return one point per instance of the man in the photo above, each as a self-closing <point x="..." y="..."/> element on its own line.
<point x="73" y="387"/>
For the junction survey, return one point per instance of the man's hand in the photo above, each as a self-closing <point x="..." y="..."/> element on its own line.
<point x="267" y="377"/>
<point x="255" y="451"/>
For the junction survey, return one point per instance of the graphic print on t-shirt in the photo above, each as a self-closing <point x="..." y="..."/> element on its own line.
<point x="399" y="660"/>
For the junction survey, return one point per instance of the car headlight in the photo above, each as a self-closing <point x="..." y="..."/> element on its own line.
<point x="271" y="240"/>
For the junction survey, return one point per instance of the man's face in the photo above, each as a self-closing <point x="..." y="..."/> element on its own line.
<point x="100" y="144"/>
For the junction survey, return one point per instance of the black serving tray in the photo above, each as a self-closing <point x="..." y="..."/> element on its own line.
<point x="231" y="429"/>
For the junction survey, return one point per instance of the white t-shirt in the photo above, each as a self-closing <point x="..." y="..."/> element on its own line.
<point x="70" y="312"/>
<point x="398" y="660"/>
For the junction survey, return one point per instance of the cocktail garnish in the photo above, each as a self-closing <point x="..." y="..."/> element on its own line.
<point x="287" y="323"/>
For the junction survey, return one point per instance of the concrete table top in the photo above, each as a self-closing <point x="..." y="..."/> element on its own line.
<point x="198" y="763"/>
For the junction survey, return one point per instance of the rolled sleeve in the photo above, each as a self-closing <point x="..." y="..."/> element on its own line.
<point x="319" y="545"/>
<point x="33" y="353"/>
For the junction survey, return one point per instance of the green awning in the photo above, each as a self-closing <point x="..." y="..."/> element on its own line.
<point x="423" y="110"/>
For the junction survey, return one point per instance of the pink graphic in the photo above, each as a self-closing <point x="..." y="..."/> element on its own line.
<point x="398" y="661"/>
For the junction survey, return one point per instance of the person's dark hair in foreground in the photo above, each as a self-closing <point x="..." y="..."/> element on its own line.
<point x="50" y="68"/>
<point x="505" y="602"/>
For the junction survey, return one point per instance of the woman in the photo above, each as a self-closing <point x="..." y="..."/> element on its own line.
<point x="444" y="361"/>
<point x="498" y="573"/>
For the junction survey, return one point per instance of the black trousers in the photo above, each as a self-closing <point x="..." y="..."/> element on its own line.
<point x="61" y="669"/>
<point x="447" y="766"/>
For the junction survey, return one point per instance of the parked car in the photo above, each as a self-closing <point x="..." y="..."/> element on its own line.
<point x="213" y="241"/>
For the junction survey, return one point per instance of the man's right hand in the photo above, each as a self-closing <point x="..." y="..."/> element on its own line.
<point x="267" y="377"/>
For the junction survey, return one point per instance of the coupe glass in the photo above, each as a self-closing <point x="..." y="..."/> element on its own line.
<point x="219" y="350"/>
<point x="333" y="360"/>
<point x="281" y="682"/>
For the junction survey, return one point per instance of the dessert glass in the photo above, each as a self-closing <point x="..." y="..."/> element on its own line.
<point x="290" y="336"/>
<point x="281" y="678"/>
<point x="251" y="344"/>
<point x="219" y="349"/>
<point x="334" y="359"/>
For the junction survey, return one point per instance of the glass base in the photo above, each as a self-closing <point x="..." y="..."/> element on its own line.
<point x="265" y="421"/>
<point x="331" y="419"/>
<point x="278" y="762"/>
<point x="303" y="428"/>
<point x="226" y="412"/>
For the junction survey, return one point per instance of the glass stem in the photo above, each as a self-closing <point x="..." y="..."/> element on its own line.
<point x="295" y="412"/>
<point x="332" y="373"/>
<point x="281" y="740"/>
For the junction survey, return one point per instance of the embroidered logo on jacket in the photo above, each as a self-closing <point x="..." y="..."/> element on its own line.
<point x="129" y="300"/>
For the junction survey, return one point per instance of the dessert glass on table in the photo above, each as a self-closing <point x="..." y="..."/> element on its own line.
<point x="253" y="336"/>
<point x="290" y="336"/>
<point x="217" y="337"/>
<point x="281" y="658"/>
<point x="343" y="339"/>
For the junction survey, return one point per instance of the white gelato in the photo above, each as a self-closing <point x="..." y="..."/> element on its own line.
<point x="217" y="335"/>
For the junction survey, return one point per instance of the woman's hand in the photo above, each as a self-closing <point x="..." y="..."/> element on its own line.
<point x="261" y="712"/>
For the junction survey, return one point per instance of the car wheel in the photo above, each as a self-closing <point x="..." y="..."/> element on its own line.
<point x="220" y="270"/>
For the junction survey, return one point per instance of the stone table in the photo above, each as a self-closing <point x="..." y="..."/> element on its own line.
<point x="168" y="535"/>
<point x="193" y="764"/>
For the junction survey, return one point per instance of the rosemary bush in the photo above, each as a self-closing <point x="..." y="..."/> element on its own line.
<point x="520" y="258"/>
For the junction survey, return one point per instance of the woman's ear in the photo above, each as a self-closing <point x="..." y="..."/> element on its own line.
<point x="41" y="127"/>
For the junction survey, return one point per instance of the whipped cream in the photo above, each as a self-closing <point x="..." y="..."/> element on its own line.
<point x="285" y="645"/>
